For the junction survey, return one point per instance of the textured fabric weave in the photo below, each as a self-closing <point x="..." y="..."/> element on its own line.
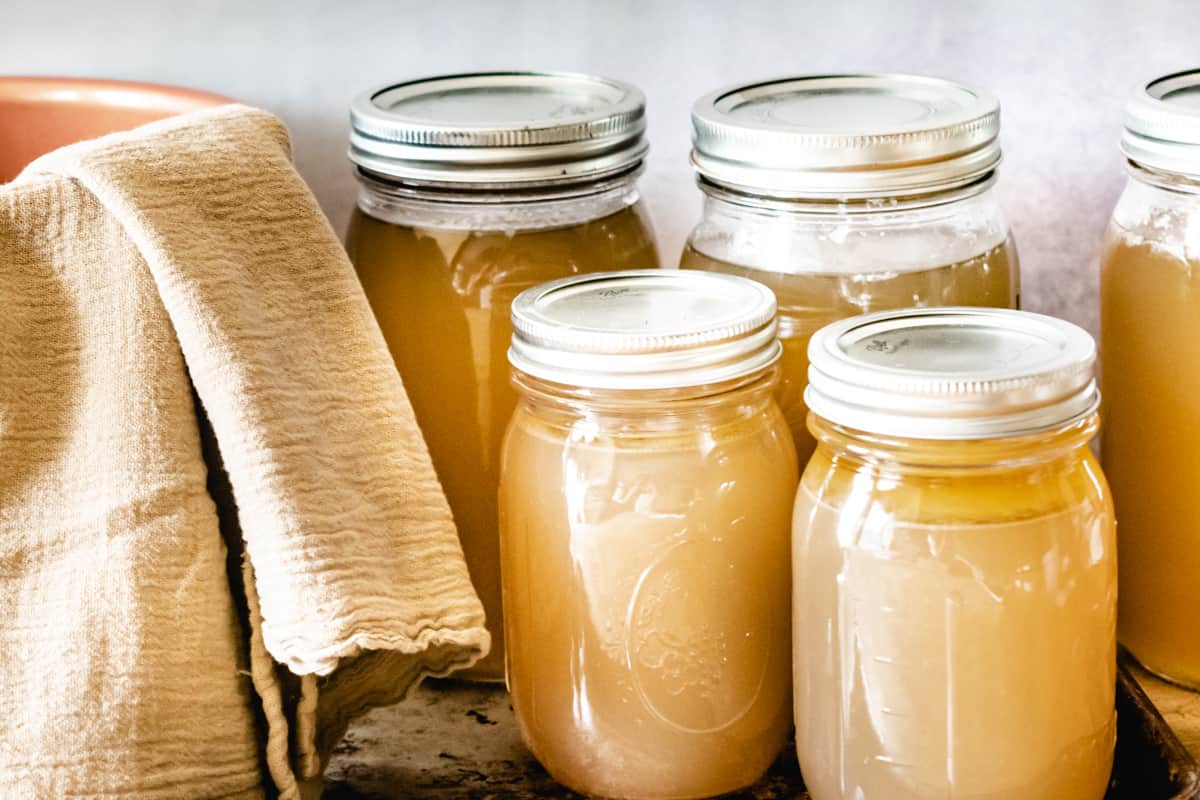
<point x="191" y="247"/>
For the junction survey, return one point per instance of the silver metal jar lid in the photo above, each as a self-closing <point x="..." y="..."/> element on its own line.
<point x="846" y="136"/>
<point x="644" y="329"/>
<point x="952" y="373"/>
<point x="1162" y="124"/>
<point x="499" y="128"/>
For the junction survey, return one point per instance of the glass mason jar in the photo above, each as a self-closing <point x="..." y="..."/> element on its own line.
<point x="955" y="574"/>
<point x="1150" y="366"/>
<point x="645" y="505"/>
<point x="473" y="188"/>
<point x="849" y="194"/>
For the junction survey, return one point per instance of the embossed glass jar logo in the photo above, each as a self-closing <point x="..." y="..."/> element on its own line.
<point x="696" y="637"/>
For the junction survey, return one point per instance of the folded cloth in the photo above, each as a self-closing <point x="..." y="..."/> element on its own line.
<point x="190" y="247"/>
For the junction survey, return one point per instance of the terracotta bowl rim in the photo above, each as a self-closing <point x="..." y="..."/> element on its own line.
<point x="122" y="93"/>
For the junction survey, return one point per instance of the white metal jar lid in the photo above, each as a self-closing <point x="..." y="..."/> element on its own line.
<point x="644" y="329"/>
<point x="952" y="373"/>
<point x="499" y="128"/>
<point x="1162" y="124"/>
<point x="846" y="136"/>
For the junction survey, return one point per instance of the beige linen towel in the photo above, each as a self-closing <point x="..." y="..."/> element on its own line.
<point x="191" y="247"/>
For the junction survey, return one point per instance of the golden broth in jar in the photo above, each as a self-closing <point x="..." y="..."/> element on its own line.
<point x="1150" y="367"/>
<point x="645" y="536"/>
<point x="849" y="194"/>
<point x="1150" y="299"/>
<point x="648" y="640"/>
<point x="955" y="566"/>
<point x="442" y="299"/>
<point x="442" y="255"/>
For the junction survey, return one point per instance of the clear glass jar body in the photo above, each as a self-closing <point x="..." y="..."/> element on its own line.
<point x="954" y="615"/>
<point x="831" y="260"/>
<point x="645" y="540"/>
<point x="441" y="271"/>
<point x="1150" y="372"/>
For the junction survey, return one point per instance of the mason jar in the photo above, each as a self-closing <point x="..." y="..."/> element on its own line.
<point x="955" y="571"/>
<point x="848" y="194"/>
<point x="645" y="503"/>
<point x="473" y="188"/>
<point x="1150" y="366"/>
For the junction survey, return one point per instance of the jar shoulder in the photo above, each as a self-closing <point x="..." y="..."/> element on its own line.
<point x="652" y="442"/>
<point x="838" y="241"/>
<point x="483" y="260"/>
<point x="954" y="496"/>
<point x="1149" y="214"/>
<point x="613" y="201"/>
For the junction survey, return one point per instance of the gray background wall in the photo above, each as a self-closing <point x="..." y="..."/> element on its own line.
<point x="1061" y="71"/>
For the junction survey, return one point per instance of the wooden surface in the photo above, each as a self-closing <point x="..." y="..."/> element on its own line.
<point x="1179" y="707"/>
<point x="457" y="741"/>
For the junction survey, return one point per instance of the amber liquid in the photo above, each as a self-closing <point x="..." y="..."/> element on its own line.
<point x="808" y="301"/>
<point x="955" y="633"/>
<point x="442" y="298"/>
<point x="646" y="587"/>
<point x="1150" y="443"/>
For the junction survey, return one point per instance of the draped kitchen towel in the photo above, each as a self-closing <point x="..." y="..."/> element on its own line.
<point x="191" y="247"/>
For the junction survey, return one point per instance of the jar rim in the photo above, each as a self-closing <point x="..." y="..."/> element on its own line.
<point x="525" y="192"/>
<point x="847" y="205"/>
<point x="1176" y="182"/>
<point x="936" y="456"/>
